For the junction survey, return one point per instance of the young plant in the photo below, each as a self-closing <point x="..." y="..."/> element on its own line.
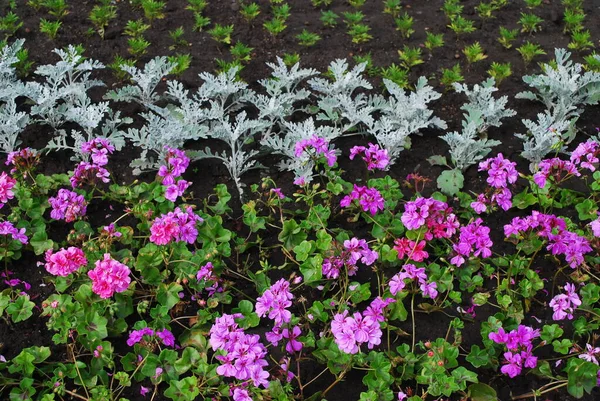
<point x="360" y="33"/>
<point x="581" y="40"/>
<point x="24" y="65"/>
<point x="197" y="6"/>
<point x="281" y="12"/>
<point x="177" y="38"/>
<point x="241" y="52"/>
<point x="392" y="7"/>
<point x="474" y="53"/>
<point x="50" y="28"/>
<point x="367" y="58"/>
<point x="329" y="18"/>
<point x="410" y="57"/>
<point x="353" y="18"/>
<point x="485" y="10"/>
<point x="592" y="62"/>
<point x="275" y="26"/>
<point x="57" y="8"/>
<point x="500" y="71"/>
<point x="452" y="9"/>
<point x="200" y="22"/>
<point x="404" y="24"/>
<point x="507" y="36"/>
<point x="531" y="4"/>
<point x="461" y="26"/>
<point x="572" y="4"/>
<point x="434" y="41"/>
<point x="306" y="38"/>
<point x="249" y="11"/>
<point x="317" y="3"/>
<point x="115" y="66"/>
<point x="450" y="76"/>
<point x="153" y="9"/>
<point x="10" y="24"/>
<point x="498" y="4"/>
<point x="138" y="46"/>
<point x="291" y="59"/>
<point x="530" y="23"/>
<point x="135" y="29"/>
<point x="182" y="63"/>
<point x="101" y="15"/>
<point x="529" y="51"/>
<point x="356" y="3"/>
<point x="573" y="20"/>
<point x="221" y="33"/>
<point x="396" y="74"/>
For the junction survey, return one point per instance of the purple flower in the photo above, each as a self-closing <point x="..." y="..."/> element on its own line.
<point x="67" y="205"/>
<point x="293" y="345"/>
<point x="144" y="391"/>
<point x="369" y="198"/>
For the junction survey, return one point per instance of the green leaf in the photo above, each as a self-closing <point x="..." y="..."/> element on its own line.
<point x="451" y="182"/>
<point x="312" y="270"/>
<point x="550" y="332"/>
<point x="524" y="199"/>
<point x="437" y="160"/>
<point x="21" y="309"/>
<point x="303" y="249"/>
<point x="291" y="234"/>
<point x="183" y="390"/>
<point x="587" y="210"/>
<point x="482" y="392"/>
<point x="478" y="357"/>
<point x="582" y="376"/>
<point x="40" y="242"/>
<point x="562" y="346"/>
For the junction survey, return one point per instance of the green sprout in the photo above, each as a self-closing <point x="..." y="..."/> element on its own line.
<point x="499" y="71"/>
<point x="404" y="24"/>
<point x="306" y="38"/>
<point x="221" y="33"/>
<point x="507" y="36"/>
<point x="529" y="51"/>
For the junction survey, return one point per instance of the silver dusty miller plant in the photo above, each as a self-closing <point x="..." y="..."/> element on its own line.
<point x="402" y="115"/>
<point x="12" y="122"/>
<point x="564" y="89"/>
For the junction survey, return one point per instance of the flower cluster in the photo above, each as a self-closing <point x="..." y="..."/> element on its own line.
<point x="244" y="356"/>
<point x="320" y="146"/>
<point x="175" y="226"/>
<point x="23" y="161"/>
<point x="292" y="345"/>
<point x="350" y="332"/>
<point x="65" y="261"/>
<point x="411" y="272"/>
<point x="586" y="155"/>
<point x="67" y="205"/>
<point x="7" y="228"/>
<point x="176" y="164"/>
<point x="436" y="215"/>
<point x="554" y="168"/>
<point x="369" y="198"/>
<point x="6" y="185"/>
<point x="563" y="305"/>
<point x="355" y="250"/>
<point x="374" y="156"/>
<point x="109" y="276"/>
<point x="90" y="173"/>
<point x="206" y="275"/>
<point x="275" y="302"/>
<point x="560" y="240"/>
<point x="166" y="337"/>
<point x="474" y="239"/>
<point x="519" y="343"/>
<point x="415" y="251"/>
<point x="501" y="173"/>
<point x="595" y="226"/>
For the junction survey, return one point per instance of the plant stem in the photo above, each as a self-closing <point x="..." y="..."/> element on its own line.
<point x="412" y="314"/>
<point x="537" y="393"/>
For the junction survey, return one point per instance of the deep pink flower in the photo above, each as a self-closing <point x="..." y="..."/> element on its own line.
<point x="67" y="205"/>
<point x="65" y="261"/>
<point x="109" y="276"/>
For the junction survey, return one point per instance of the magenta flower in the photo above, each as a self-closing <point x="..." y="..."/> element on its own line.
<point x="474" y="240"/>
<point x="65" y="261"/>
<point x="109" y="276"/>
<point x="293" y="345"/>
<point x="99" y="148"/>
<point x="175" y="226"/>
<point x="370" y="199"/>
<point x="374" y="156"/>
<point x="586" y="155"/>
<point x="6" y="185"/>
<point x="67" y="205"/>
<point x="411" y="249"/>
<point x="554" y="168"/>
<point x="7" y="228"/>
<point x="144" y="391"/>
<point x="564" y="305"/>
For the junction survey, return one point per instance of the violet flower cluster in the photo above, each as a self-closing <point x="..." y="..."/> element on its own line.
<point x="176" y="164"/>
<point x="67" y="206"/>
<point x="22" y="161"/>
<point x="175" y="226"/>
<point x="501" y="173"/>
<point x="474" y="240"/>
<point x="109" y="276"/>
<point x="411" y="273"/>
<point x="556" y="168"/>
<point x="7" y="228"/>
<point x="6" y="185"/>
<point x="275" y="301"/>
<point x="165" y="336"/>
<point x="350" y="332"/>
<point x="519" y="343"/>
<point x="354" y="250"/>
<point x="319" y="145"/>
<point x="65" y="261"/>
<point x="207" y="275"/>
<point x="90" y="173"/>
<point x="244" y="355"/>
<point x="436" y="215"/>
<point x="563" y="305"/>
<point x="370" y="199"/>
<point x="586" y="155"/>
<point x="374" y="156"/>
<point x="554" y="229"/>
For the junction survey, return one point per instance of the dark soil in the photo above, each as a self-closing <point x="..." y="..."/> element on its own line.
<point x="335" y="43"/>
